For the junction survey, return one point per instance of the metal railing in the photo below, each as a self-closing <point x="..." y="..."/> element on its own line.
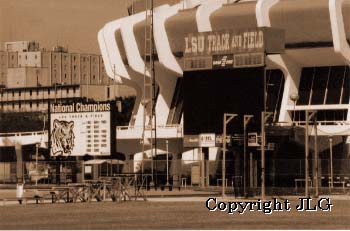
<point x="24" y="133"/>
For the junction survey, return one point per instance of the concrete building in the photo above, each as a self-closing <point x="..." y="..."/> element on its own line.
<point x="3" y="68"/>
<point x="314" y="66"/>
<point x="30" y="77"/>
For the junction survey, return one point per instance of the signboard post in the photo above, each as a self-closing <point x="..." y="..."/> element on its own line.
<point x="227" y="118"/>
<point x="78" y="128"/>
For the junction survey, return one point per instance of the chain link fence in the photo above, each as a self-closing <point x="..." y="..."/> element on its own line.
<point x="282" y="176"/>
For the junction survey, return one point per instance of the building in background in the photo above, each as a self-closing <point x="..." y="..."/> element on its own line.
<point x="30" y="77"/>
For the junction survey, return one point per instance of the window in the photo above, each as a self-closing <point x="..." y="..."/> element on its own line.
<point x="324" y="85"/>
<point x="19" y="93"/>
<point x="345" y="89"/>
<point x="274" y="88"/>
<point x="30" y="92"/>
<point x="319" y="85"/>
<point x="334" y="86"/>
<point x="30" y="104"/>
<point x="305" y="85"/>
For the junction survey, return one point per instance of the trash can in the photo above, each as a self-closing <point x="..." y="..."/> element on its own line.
<point x="19" y="192"/>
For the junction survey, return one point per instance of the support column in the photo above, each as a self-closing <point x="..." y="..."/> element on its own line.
<point x="202" y="166"/>
<point x="58" y="171"/>
<point x="251" y="182"/>
<point x="95" y="171"/>
<point x="19" y="163"/>
<point x="129" y="165"/>
<point x="207" y="182"/>
<point x="238" y="172"/>
<point x="344" y="155"/>
<point x="82" y="178"/>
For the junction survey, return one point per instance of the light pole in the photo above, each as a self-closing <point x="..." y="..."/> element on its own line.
<point x="227" y="118"/>
<point x="36" y="163"/>
<point x="246" y="120"/>
<point x="264" y="117"/>
<point x="307" y="118"/>
<point x="263" y="155"/>
<point x="307" y="153"/>
<point x="316" y="158"/>
<point x="167" y="162"/>
<point x="331" y="158"/>
<point x="37" y="145"/>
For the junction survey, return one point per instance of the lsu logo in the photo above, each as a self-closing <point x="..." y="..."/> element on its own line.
<point x="62" y="137"/>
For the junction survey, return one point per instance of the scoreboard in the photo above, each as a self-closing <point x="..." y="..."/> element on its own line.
<point x="77" y="129"/>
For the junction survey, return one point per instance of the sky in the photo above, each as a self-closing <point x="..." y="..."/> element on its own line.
<point x="72" y="23"/>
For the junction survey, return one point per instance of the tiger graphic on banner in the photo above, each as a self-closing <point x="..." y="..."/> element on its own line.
<point x="62" y="137"/>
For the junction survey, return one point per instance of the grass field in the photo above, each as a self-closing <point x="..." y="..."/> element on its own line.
<point x="164" y="215"/>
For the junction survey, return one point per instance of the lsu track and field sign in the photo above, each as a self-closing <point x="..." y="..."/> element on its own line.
<point x="78" y="128"/>
<point x="232" y="48"/>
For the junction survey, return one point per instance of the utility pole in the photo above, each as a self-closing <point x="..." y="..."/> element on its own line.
<point x="307" y="118"/>
<point x="263" y="155"/>
<point x="331" y="158"/>
<point x="316" y="159"/>
<point x="307" y="154"/>
<point x="36" y="163"/>
<point x="167" y="162"/>
<point x="227" y="118"/>
<point x="264" y="117"/>
<point x="149" y="88"/>
<point x="246" y="120"/>
<point x="263" y="135"/>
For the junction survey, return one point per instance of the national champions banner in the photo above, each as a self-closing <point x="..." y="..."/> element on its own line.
<point x="78" y="128"/>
